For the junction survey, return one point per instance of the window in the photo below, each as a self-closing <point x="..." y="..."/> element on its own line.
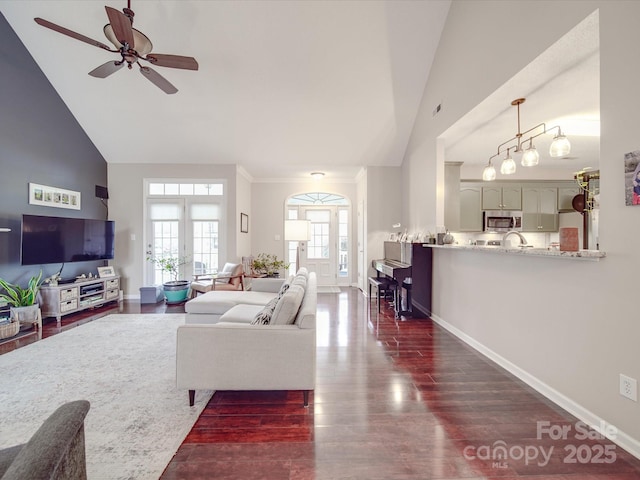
<point x="186" y="189"/>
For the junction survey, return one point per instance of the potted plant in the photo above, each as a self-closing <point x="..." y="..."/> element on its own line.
<point x="23" y="302"/>
<point x="175" y="291"/>
<point x="268" y="264"/>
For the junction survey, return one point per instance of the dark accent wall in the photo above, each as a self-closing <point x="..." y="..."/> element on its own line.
<point x="40" y="142"/>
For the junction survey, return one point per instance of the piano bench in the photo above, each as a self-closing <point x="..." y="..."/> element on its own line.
<point x="381" y="284"/>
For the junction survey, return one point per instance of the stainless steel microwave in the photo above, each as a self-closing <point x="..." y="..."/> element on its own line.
<point x="502" y="220"/>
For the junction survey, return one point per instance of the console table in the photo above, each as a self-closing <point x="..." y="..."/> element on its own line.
<point x="59" y="300"/>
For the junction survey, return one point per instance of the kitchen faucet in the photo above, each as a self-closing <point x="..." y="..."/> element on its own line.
<point x="523" y="241"/>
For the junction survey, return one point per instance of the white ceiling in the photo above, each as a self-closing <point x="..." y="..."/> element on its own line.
<point x="284" y="87"/>
<point x="562" y="87"/>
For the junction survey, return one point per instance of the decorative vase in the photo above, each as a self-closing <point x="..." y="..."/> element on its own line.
<point x="176" y="291"/>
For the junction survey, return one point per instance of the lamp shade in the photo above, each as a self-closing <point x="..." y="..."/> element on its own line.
<point x="560" y="146"/>
<point x="530" y="157"/>
<point x="508" y="166"/>
<point x="489" y="173"/>
<point x="297" y="230"/>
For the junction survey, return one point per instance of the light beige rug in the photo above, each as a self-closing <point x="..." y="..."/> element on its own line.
<point x="125" y="366"/>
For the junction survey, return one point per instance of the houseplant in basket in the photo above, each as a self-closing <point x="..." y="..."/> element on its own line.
<point x="23" y="301"/>
<point x="175" y="291"/>
<point x="268" y="264"/>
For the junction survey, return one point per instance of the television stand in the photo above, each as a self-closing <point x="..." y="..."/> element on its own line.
<point x="63" y="299"/>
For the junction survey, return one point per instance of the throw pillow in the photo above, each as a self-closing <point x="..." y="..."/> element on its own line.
<point x="263" y="317"/>
<point x="283" y="289"/>
<point x="300" y="280"/>
<point x="288" y="306"/>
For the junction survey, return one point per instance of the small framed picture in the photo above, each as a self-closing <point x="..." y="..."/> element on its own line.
<point x="244" y="223"/>
<point x="104" y="272"/>
<point x="53" y="197"/>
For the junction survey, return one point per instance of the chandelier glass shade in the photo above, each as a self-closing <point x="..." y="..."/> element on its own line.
<point x="489" y="173"/>
<point x="530" y="157"/>
<point x="508" y="166"/>
<point x="560" y="147"/>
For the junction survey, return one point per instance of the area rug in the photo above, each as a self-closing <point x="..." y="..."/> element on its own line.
<point x="125" y="366"/>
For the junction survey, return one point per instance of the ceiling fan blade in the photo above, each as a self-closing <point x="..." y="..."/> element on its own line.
<point x="121" y="26"/>
<point x="106" y="69"/>
<point x="71" y="33"/>
<point x="173" y="61"/>
<point x="158" y="80"/>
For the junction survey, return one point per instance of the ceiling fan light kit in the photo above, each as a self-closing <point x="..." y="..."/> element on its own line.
<point x="132" y="45"/>
<point x="560" y="147"/>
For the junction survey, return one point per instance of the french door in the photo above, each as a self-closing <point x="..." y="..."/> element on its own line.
<point x="184" y="228"/>
<point x="327" y="251"/>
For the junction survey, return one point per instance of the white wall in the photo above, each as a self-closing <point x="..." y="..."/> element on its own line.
<point x="243" y="205"/>
<point x="268" y="201"/>
<point x="126" y="204"/>
<point x="383" y="210"/>
<point x="568" y="327"/>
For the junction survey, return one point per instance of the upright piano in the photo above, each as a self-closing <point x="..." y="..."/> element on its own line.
<point x="396" y="264"/>
<point x="409" y="264"/>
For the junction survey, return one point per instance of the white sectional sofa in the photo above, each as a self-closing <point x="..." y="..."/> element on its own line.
<point x="209" y="307"/>
<point x="224" y="348"/>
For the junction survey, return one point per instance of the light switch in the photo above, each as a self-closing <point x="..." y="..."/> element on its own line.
<point x="133" y="237"/>
<point x="277" y="238"/>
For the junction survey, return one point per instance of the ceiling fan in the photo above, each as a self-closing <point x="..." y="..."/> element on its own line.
<point x="132" y="45"/>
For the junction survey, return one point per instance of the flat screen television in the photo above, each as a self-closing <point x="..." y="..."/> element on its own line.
<point x="63" y="240"/>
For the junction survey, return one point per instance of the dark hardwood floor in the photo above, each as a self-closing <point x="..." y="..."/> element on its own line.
<point x="394" y="400"/>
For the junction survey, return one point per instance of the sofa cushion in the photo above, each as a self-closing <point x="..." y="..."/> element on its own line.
<point x="218" y="302"/>
<point x="241" y="314"/>
<point x="263" y="317"/>
<point x="287" y="306"/>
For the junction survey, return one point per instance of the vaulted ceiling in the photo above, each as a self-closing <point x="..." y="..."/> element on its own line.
<point x="283" y="87"/>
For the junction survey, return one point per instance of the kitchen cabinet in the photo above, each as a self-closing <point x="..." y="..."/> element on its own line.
<point x="565" y="197"/>
<point x="539" y="209"/>
<point x="470" y="208"/>
<point x="502" y="198"/>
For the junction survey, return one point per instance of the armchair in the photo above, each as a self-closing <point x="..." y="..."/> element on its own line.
<point x="55" y="451"/>
<point x="230" y="278"/>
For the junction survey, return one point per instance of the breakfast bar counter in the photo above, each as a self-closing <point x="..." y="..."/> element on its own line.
<point x="526" y="251"/>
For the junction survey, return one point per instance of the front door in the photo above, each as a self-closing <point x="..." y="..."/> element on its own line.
<point x="319" y="254"/>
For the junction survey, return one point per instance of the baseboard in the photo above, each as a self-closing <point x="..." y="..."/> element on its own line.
<point x="622" y="439"/>
<point x="422" y="310"/>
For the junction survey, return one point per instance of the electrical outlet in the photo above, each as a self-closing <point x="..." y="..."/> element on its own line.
<point x="629" y="387"/>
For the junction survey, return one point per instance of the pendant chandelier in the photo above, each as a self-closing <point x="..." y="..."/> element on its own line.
<point x="530" y="157"/>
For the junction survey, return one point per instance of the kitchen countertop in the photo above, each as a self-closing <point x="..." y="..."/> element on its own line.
<point x="539" y="252"/>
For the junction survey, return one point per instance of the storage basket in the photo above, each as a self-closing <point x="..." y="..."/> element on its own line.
<point x="9" y="329"/>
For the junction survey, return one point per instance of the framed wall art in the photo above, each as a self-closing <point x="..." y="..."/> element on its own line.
<point x="53" y="197"/>
<point x="105" y="272"/>
<point x="244" y="223"/>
